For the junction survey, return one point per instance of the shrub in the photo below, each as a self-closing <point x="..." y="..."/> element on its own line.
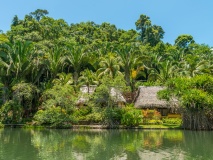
<point x="11" y="112"/>
<point x="62" y="96"/>
<point x="1" y="125"/>
<point x="131" y="116"/>
<point x="94" y="117"/>
<point x="81" y="113"/>
<point x="177" y="121"/>
<point x="112" y="116"/>
<point x="153" y="121"/>
<point x="54" y="117"/>
<point x="150" y="115"/>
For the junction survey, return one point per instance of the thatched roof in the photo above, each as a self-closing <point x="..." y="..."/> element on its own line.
<point x="116" y="95"/>
<point x="85" y="89"/>
<point x="85" y="92"/>
<point x="147" y="98"/>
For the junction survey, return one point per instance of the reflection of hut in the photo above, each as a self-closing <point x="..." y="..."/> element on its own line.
<point x="147" y="99"/>
<point x="85" y="91"/>
<point x="117" y="97"/>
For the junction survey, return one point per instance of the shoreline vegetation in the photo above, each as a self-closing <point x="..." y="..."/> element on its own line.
<point x="94" y="127"/>
<point x="57" y="74"/>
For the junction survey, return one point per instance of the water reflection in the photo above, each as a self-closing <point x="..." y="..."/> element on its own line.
<point x="15" y="145"/>
<point x="104" y="144"/>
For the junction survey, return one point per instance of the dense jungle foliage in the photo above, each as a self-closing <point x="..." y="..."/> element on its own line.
<point x="45" y="61"/>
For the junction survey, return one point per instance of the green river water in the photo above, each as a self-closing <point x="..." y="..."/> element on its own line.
<point x="29" y="144"/>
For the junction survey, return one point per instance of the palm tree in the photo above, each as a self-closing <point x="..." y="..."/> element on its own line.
<point x="4" y="93"/>
<point x="40" y="67"/>
<point x="99" y="50"/>
<point x="193" y="65"/>
<point x="127" y="59"/>
<point x="76" y="57"/>
<point x="151" y="61"/>
<point x="55" y="61"/>
<point x="142" y="24"/>
<point x="88" y="78"/>
<point x="163" y="72"/>
<point x="131" y="63"/>
<point x="63" y="79"/>
<point x="109" y="65"/>
<point x="16" y="59"/>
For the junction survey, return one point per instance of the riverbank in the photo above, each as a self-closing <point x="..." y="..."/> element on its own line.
<point x="96" y="126"/>
<point x="127" y="127"/>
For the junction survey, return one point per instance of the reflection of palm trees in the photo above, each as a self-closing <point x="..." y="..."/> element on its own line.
<point x="62" y="144"/>
<point x="23" y="149"/>
<point x="87" y="144"/>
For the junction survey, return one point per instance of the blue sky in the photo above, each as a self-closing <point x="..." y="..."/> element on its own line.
<point x="175" y="16"/>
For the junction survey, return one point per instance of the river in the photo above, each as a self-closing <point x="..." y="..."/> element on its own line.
<point x="31" y="144"/>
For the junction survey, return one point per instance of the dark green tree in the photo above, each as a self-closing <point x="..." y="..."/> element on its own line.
<point x="15" y="21"/>
<point x="184" y="40"/>
<point x="39" y="13"/>
<point x="149" y="34"/>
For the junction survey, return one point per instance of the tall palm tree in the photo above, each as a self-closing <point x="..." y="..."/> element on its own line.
<point x="16" y="59"/>
<point x="40" y="67"/>
<point x="109" y="65"/>
<point x="63" y="79"/>
<point x="88" y="78"/>
<point x="99" y="50"/>
<point x="127" y="59"/>
<point x="55" y="61"/>
<point x="165" y="71"/>
<point x="151" y="61"/>
<point x="130" y="62"/>
<point x="193" y="65"/>
<point x="76" y="57"/>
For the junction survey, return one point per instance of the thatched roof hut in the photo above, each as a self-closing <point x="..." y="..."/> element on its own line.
<point x="147" y="98"/>
<point x="85" y="89"/>
<point x="85" y="92"/>
<point x="116" y="95"/>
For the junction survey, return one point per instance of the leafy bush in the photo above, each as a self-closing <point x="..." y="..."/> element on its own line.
<point x="11" y="112"/>
<point x="154" y="121"/>
<point x="1" y="125"/>
<point x="81" y="113"/>
<point x="131" y="116"/>
<point x="103" y="97"/>
<point x="62" y="96"/>
<point x="54" y="117"/>
<point x="95" y="117"/>
<point x="150" y="115"/>
<point x="177" y="121"/>
<point x="112" y="116"/>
